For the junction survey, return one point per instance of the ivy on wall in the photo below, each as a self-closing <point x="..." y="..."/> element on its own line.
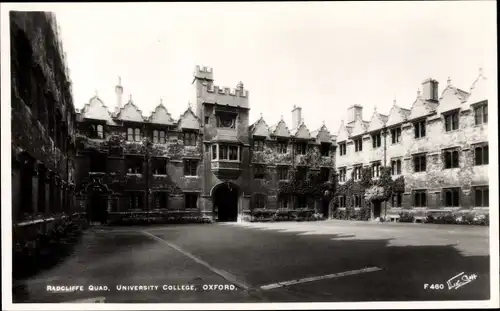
<point x="380" y="189"/>
<point x="310" y="186"/>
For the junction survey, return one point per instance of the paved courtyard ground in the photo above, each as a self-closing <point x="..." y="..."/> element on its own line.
<point x="328" y="261"/>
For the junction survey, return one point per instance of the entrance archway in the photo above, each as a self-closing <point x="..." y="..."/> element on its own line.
<point x="377" y="209"/>
<point x="225" y="202"/>
<point x="97" y="202"/>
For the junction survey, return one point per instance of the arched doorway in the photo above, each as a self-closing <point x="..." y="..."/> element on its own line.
<point x="97" y="194"/>
<point x="225" y="202"/>
<point x="325" y="207"/>
<point x="377" y="209"/>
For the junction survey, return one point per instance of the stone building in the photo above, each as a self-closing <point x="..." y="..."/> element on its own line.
<point x="439" y="146"/>
<point x="210" y="162"/>
<point x="42" y="121"/>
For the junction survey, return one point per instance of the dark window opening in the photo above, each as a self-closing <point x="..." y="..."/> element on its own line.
<point x="396" y="167"/>
<point x="357" y="200"/>
<point x="342" y="174"/>
<point x="419" y="198"/>
<point x="214" y="152"/>
<point x="284" y="201"/>
<point x="325" y="149"/>
<point x="282" y="172"/>
<point x="259" y="171"/>
<point x="481" y="114"/>
<point x="136" y="200"/>
<point x="301" y="148"/>
<point x="376" y="169"/>
<point x="481" y="197"/>
<point x="191" y="200"/>
<point x="228" y="152"/>
<point x="301" y="173"/>
<point x="451" y="197"/>
<point x="397" y="200"/>
<point x="451" y="159"/>
<point x="419" y="163"/>
<point x="190" y="167"/>
<point x="357" y="172"/>
<point x="134" y="165"/>
<point x="259" y="201"/>
<point x="342" y="149"/>
<point x="302" y="201"/>
<point x="342" y="201"/>
<point x="161" y="200"/>
<point x="419" y="129"/>
<point x="451" y="121"/>
<point x="358" y="144"/>
<point x="226" y="119"/>
<point x="282" y="147"/>
<point x="97" y="162"/>
<point x="396" y="135"/>
<point x="481" y="155"/>
<point x="324" y="174"/>
<point x="258" y="144"/>
<point x="159" y="166"/>
<point x="376" y="140"/>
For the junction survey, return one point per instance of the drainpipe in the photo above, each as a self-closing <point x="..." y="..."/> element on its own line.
<point x="385" y="164"/>
<point x="292" y="142"/>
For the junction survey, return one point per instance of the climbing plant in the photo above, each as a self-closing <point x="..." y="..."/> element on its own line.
<point x="311" y="185"/>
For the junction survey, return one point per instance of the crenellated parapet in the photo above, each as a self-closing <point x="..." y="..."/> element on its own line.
<point x="204" y="73"/>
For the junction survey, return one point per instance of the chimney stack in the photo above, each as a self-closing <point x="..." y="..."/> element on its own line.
<point x="430" y="90"/>
<point x="119" y="95"/>
<point x="296" y="116"/>
<point x="354" y="112"/>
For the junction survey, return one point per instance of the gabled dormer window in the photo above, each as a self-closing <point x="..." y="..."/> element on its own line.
<point x="282" y="146"/>
<point x="376" y="140"/>
<point x="358" y="144"/>
<point x="159" y="137"/>
<point x="258" y="144"/>
<point x="96" y="131"/>
<point x="396" y="135"/>
<point x="342" y="149"/>
<point x="419" y="129"/>
<point x="133" y="134"/>
<point x="451" y="121"/>
<point x="481" y="114"/>
<point x="301" y="148"/>
<point x="190" y="138"/>
<point x="325" y="149"/>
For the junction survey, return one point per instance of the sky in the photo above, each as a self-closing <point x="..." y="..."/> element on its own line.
<point x="323" y="56"/>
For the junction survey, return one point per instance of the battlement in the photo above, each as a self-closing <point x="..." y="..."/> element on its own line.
<point x="203" y="72"/>
<point x="239" y="91"/>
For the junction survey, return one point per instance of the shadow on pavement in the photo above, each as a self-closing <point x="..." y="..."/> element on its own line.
<point x="258" y="257"/>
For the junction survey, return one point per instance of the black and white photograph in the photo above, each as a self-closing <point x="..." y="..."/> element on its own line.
<point x="249" y="155"/>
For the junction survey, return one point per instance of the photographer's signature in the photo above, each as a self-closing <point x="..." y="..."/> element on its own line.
<point x="460" y="280"/>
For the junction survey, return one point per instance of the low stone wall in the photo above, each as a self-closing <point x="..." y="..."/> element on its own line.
<point x="160" y="217"/>
<point x="264" y="215"/>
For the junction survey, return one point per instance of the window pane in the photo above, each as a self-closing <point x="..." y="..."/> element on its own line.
<point x="479" y="155"/>
<point x="485" y="155"/>
<point x="486" y="197"/>
<point x="478" y="197"/>
<point x="456" y="159"/>
<point x="456" y="197"/>
<point x="214" y="152"/>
